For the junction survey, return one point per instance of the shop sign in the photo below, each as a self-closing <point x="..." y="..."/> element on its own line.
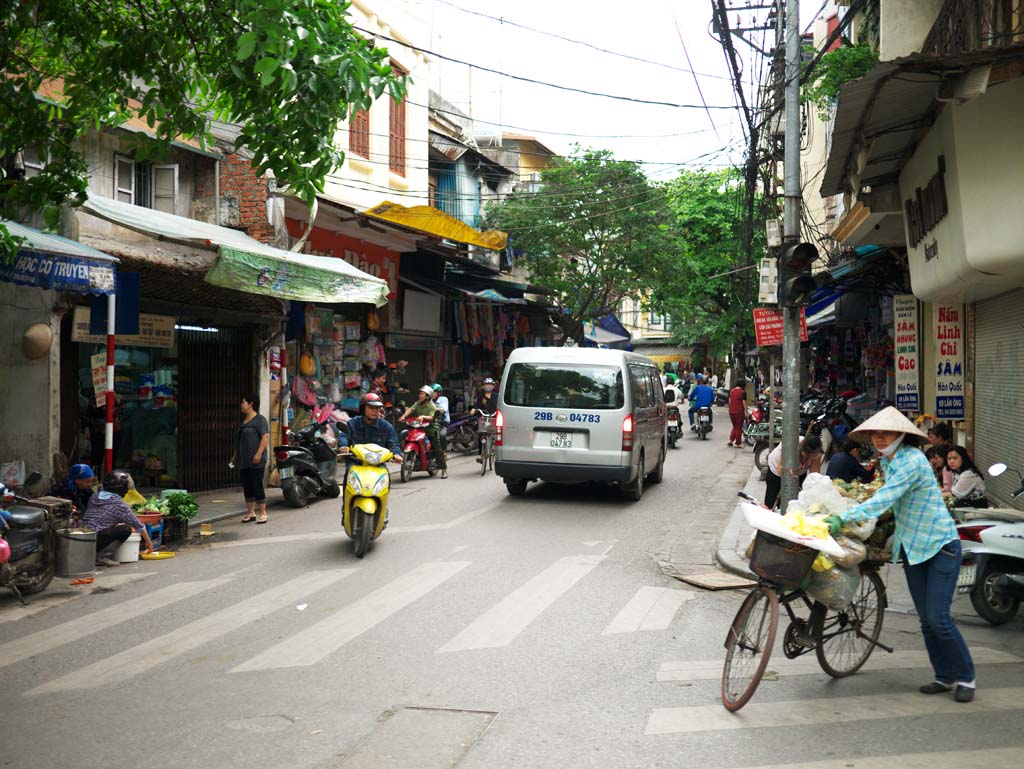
<point x="154" y="331"/>
<point x="927" y="208"/>
<point x="99" y="376"/>
<point x="768" y="326"/>
<point x="406" y="342"/>
<point x="908" y="387"/>
<point x="60" y="272"/>
<point x="949" y="356"/>
<point x="372" y="259"/>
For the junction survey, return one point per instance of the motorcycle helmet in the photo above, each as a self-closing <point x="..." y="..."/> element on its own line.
<point x="488" y="381"/>
<point x="370" y="399"/>
<point x="428" y="390"/>
<point x="670" y="378"/>
<point x="117" y="482"/>
<point x="700" y="377"/>
<point x="436" y="388"/>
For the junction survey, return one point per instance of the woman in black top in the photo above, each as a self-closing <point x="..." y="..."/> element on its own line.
<point x="250" y="456"/>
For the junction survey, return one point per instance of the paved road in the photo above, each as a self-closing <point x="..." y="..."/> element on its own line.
<point x="482" y="631"/>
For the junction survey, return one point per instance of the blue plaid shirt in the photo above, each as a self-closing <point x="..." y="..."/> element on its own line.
<point x="923" y="524"/>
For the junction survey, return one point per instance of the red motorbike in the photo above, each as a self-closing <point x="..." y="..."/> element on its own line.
<point x="416" y="453"/>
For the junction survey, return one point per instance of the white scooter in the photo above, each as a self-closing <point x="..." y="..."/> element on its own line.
<point x="993" y="568"/>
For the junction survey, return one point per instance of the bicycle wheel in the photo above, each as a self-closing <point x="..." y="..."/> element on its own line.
<point x="488" y="454"/>
<point x="848" y="636"/>
<point x="749" y="646"/>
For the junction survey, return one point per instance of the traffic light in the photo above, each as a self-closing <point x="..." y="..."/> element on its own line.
<point x="795" y="281"/>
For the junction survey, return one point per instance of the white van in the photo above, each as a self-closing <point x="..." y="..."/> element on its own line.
<point x="573" y="414"/>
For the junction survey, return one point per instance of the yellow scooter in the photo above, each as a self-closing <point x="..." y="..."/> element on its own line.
<point x="365" y="506"/>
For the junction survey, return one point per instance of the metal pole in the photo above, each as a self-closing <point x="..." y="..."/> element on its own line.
<point x="108" y="432"/>
<point x="791" y="223"/>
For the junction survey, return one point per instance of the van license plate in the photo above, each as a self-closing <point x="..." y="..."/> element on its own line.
<point x="561" y="440"/>
<point x="286" y="472"/>
<point x="967" y="577"/>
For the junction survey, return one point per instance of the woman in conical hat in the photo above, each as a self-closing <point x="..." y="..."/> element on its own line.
<point x="926" y="541"/>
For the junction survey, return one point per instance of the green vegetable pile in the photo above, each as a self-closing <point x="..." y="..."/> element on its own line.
<point x="180" y="505"/>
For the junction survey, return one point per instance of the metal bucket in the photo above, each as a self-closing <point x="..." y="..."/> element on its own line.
<point x="76" y="552"/>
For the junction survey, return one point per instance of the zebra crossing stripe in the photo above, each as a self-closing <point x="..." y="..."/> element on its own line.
<point x="500" y="624"/>
<point x="330" y="634"/>
<point x="650" y="608"/>
<point x="711" y="670"/>
<point x="55" y="596"/>
<point x="990" y="758"/>
<point x="143" y="657"/>
<point x="76" y="629"/>
<point x="832" y="710"/>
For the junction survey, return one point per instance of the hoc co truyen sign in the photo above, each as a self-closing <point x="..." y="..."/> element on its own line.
<point x="908" y="395"/>
<point x="949" y="356"/>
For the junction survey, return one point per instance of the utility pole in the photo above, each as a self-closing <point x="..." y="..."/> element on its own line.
<point x="791" y="234"/>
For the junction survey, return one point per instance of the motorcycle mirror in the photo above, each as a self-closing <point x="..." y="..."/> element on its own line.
<point x="33" y="479"/>
<point x="997" y="469"/>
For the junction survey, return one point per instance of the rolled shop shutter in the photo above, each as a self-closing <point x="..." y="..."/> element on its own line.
<point x="999" y="391"/>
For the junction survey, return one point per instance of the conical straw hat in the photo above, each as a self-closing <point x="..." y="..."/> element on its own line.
<point x="888" y="419"/>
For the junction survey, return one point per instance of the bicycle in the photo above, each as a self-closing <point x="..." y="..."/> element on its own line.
<point x="842" y="640"/>
<point x="487" y="430"/>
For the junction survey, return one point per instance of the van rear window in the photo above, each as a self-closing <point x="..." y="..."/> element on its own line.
<point x="549" y="385"/>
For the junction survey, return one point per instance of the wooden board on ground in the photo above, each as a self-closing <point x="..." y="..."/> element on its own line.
<point x="716" y="580"/>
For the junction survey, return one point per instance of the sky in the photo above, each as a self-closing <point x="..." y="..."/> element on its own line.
<point x="660" y="31"/>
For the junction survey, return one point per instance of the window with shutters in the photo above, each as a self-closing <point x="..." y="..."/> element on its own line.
<point x="146" y="184"/>
<point x="33" y="161"/>
<point x="396" y="131"/>
<point x="359" y="133"/>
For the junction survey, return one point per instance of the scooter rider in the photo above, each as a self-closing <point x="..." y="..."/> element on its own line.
<point x="702" y="397"/>
<point x="368" y="427"/>
<point x="673" y="397"/>
<point x="425" y="410"/>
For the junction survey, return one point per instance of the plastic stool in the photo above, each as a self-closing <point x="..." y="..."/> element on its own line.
<point x="156" y="533"/>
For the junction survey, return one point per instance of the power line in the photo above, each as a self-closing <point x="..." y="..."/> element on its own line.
<point x="696" y="82"/>
<point x="506" y="22"/>
<point x="521" y="78"/>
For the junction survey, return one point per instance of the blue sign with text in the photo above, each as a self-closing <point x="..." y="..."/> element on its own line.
<point x="61" y="272"/>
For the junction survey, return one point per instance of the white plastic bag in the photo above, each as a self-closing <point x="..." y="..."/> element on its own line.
<point x="861" y="531"/>
<point x="855" y="552"/>
<point x="835" y="587"/>
<point x="818" y="490"/>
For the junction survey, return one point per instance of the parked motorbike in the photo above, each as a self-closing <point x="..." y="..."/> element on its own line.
<point x="307" y="466"/>
<point x="722" y="396"/>
<point x="28" y="539"/>
<point x="462" y="434"/>
<point x="416" y="450"/>
<point x="367" y="485"/>
<point x="993" y="569"/>
<point x="703" y="423"/>
<point x="675" y="422"/>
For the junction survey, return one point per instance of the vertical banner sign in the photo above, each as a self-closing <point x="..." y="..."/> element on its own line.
<point x="908" y="388"/>
<point x="949" y="357"/>
<point x="98" y="362"/>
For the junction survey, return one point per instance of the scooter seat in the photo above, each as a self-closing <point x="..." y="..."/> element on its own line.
<point x="25" y="516"/>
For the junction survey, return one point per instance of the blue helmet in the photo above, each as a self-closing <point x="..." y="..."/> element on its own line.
<point x="700" y="377"/>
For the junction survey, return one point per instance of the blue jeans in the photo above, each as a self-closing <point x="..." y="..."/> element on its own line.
<point x="931" y="584"/>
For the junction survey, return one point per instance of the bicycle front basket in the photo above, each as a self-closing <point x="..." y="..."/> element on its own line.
<point x="486" y="425"/>
<point x="780" y="561"/>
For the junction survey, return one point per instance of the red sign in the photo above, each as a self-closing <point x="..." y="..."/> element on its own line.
<point x="768" y="326"/>
<point x="372" y="259"/>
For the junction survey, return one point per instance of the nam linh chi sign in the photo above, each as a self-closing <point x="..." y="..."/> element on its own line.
<point x="949" y="357"/>
<point x="768" y="327"/>
<point x="908" y="381"/>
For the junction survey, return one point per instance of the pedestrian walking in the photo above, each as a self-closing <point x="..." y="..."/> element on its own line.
<point x="250" y="457"/>
<point x="737" y="412"/>
<point x="925" y="540"/>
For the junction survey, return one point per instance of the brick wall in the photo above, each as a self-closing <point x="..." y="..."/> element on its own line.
<point x="243" y="198"/>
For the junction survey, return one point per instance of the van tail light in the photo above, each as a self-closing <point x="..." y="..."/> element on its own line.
<point x="281" y="456"/>
<point x="627" y="433"/>
<point x="499" y="426"/>
<point x="972" y="533"/>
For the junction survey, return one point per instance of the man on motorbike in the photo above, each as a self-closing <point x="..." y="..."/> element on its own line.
<point x="701" y="396"/>
<point x="368" y="427"/>
<point x="485" y="405"/>
<point x="425" y="410"/>
<point x="673" y="397"/>
<point x="444" y="416"/>
<point x="112" y="519"/>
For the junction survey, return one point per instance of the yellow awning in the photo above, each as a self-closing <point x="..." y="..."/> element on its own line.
<point x="431" y="221"/>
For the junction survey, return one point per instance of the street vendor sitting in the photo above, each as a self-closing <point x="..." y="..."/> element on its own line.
<point x="112" y="519"/>
<point x="77" y="487"/>
<point x="845" y="463"/>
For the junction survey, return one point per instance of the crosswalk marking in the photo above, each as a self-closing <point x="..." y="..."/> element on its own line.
<point x="465" y="517"/>
<point x="709" y="670"/>
<point x="500" y="624"/>
<point x="145" y="656"/>
<point x="330" y="634"/>
<point x="56" y="596"/>
<point x="990" y="758"/>
<point x="650" y="608"/>
<point x="76" y="629"/>
<point x="707" y="718"/>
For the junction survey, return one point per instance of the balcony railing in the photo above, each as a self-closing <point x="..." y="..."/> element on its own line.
<point x="972" y="25"/>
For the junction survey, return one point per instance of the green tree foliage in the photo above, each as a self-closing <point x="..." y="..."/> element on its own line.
<point x="833" y="70"/>
<point x="595" y="233"/>
<point x="707" y="294"/>
<point x="286" y="71"/>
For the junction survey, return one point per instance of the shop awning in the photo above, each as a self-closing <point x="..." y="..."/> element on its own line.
<point x="50" y="261"/>
<point x="664" y="353"/>
<point x="432" y="221"/>
<point x="246" y="264"/>
<point x="607" y="332"/>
